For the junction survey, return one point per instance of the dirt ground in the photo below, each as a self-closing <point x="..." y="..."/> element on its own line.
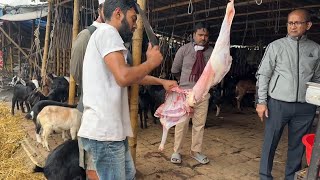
<point x="232" y="142"/>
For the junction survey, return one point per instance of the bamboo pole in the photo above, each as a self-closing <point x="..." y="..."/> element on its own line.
<point x="19" y="43"/>
<point x="31" y="49"/>
<point x="58" y="62"/>
<point x="75" y="31"/>
<point x="10" y="49"/>
<point x="46" y="41"/>
<point x="136" y="54"/>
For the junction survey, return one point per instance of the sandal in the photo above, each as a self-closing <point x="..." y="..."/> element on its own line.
<point x="176" y="158"/>
<point x="200" y="158"/>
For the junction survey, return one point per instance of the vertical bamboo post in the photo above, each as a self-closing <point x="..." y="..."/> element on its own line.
<point x="75" y="31"/>
<point x="10" y="49"/>
<point x="46" y="40"/>
<point x="136" y="54"/>
<point x="19" y="43"/>
<point x="2" y="45"/>
<point x="31" y="49"/>
<point x="58" y="62"/>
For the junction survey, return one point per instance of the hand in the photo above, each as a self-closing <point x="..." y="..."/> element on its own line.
<point x="154" y="56"/>
<point x="169" y="84"/>
<point x="262" y="111"/>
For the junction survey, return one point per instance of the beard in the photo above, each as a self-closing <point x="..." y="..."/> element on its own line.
<point x="125" y="32"/>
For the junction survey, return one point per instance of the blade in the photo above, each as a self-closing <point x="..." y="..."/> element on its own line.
<point x="151" y="36"/>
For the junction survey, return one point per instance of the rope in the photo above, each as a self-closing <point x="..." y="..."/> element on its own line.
<point x="277" y="18"/>
<point x="258" y="3"/>
<point x="245" y="31"/>
<point x="190" y="7"/>
<point x="205" y="7"/>
<point x="169" y="49"/>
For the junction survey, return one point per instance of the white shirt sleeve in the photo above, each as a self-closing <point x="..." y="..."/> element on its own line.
<point x="108" y="40"/>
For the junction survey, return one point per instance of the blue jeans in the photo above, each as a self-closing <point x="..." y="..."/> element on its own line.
<point x="112" y="159"/>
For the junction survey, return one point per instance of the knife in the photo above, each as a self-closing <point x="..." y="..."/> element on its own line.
<point x="151" y="36"/>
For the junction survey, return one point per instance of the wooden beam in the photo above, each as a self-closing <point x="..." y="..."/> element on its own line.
<point x="134" y="94"/>
<point x="46" y="41"/>
<point x="175" y="5"/>
<point x="219" y="8"/>
<point x="14" y="43"/>
<point x="75" y="31"/>
<point x="62" y="3"/>
<point x="242" y="14"/>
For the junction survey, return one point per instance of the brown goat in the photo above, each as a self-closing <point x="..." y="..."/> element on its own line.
<point x="244" y="87"/>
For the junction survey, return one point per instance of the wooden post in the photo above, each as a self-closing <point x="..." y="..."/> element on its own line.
<point x="46" y="41"/>
<point x="10" y="49"/>
<point x="75" y="31"/>
<point x="58" y="62"/>
<point x="31" y="49"/>
<point x="136" y="54"/>
<point x="19" y="43"/>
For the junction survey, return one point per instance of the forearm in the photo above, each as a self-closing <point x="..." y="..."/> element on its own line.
<point x="151" y="80"/>
<point x="137" y="74"/>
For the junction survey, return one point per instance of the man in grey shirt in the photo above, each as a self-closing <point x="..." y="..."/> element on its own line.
<point x="187" y="66"/>
<point x="288" y="64"/>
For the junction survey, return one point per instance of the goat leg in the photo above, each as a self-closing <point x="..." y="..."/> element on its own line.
<point x="22" y="108"/>
<point x="13" y="104"/>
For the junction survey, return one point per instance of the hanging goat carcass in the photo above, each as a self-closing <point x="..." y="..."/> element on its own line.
<point x="178" y="105"/>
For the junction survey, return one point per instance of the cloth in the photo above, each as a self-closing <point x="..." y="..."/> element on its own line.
<point x="282" y="70"/>
<point x="106" y="109"/>
<point x="199" y="64"/>
<point x="198" y="122"/>
<point x="111" y="159"/>
<point x="183" y="62"/>
<point x="298" y="117"/>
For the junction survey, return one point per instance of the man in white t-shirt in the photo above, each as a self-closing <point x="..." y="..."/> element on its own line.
<point x="106" y="75"/>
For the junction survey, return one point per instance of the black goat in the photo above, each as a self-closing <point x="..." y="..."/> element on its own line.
<point x="63" y="163"/>
<point x="21" y="94"/>
<point x="145" y="103"/>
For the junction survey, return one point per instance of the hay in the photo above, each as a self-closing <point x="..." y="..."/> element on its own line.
<point x="14" y="162"/>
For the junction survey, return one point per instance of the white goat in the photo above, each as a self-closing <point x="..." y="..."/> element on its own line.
<point x="58" y="119"/>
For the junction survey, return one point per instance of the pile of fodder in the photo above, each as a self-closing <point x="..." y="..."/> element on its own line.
<point x="14" y="163"/>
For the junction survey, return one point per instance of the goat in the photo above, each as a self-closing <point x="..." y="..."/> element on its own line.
<point x="21" y="94"/>
<point x="215" y="99"/>
<point x="244" y="87"/>
<point x="63" y="163"/>
<point x="36" y="109"/>
<point x="57" y="118"/>
<point x="145" y="103"/>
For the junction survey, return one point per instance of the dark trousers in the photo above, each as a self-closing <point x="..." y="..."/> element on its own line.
<point x="299" y="117"/>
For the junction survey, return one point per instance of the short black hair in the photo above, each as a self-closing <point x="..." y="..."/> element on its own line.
<point x="201" y="25"/>
<point x="124" y="5"/>
<point x="306" y="13"/>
